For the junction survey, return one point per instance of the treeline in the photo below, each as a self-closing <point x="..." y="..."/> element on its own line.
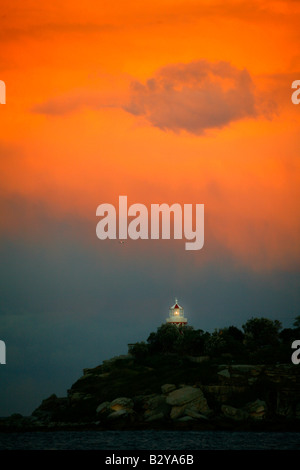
<point x="260" y="340"/>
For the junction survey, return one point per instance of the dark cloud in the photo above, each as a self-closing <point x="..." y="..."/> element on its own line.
<point x="67" y="305"/>
<point x="194" y="97"/>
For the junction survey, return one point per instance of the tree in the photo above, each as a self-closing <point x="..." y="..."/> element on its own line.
<point x="190" y="341"/>
<point x="261" y="332"/>
<point x="164" y="340"/>
<point x="262" y="340"/>
<point x="235" y="333"/>
<point x="296" y="323"/>
<point x="288" y="335"/>
<point x="227" y="340"/>
<point x="139" y="350"/>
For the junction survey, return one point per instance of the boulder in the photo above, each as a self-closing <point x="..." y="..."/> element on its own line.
<point x="177" y="412"/>
<point x="224" y="373"/>
<point x="184" y="395"/>
<point x="195" y="407"/>
<point x="167" y="388"/>
<point x="103" y="407"/>
<point x="121" y="403"/>
<point x="117" y="414"/>
<point x="199" y="405"/>
<point x="194" y="414"/>
<point x="154" y="417"/>
<point x="233" y="413"/>
<point x="154" y="402"/>
<point x="186" y="418"/>
<point x="222" y="393"/>
<point x="155" y="405"/>
<point x="257" y="409"/>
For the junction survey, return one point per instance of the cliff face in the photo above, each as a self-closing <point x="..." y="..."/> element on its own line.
<point x="178" y="392"/>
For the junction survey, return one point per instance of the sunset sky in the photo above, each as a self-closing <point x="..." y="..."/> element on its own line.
<point x="166" y="101"/>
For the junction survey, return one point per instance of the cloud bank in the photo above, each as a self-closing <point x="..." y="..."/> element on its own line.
<point x="192" y="97"/>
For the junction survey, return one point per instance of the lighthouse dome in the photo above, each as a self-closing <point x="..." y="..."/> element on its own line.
<point x="176" y="314"/>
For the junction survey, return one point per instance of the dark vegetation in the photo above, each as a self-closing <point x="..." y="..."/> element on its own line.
<point x="260" y="341"/>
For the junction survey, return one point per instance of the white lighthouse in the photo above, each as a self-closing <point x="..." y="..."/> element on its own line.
<point x="176" y="315"/>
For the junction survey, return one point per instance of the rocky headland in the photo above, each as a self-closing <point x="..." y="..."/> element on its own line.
<point x="173" y="393"/>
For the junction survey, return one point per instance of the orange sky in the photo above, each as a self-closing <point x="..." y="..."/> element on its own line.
<point x="69" y="139"/>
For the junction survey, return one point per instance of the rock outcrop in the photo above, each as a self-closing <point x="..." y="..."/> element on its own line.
<point x="122" y="394"/>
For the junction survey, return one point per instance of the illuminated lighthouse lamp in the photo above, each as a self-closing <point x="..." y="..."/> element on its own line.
<point x="176" y="315"/>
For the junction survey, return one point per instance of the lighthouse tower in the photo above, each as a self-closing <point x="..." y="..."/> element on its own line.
<point x="176" y="315"/>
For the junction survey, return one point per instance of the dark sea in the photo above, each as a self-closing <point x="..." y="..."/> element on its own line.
<point x="150" y="440"/>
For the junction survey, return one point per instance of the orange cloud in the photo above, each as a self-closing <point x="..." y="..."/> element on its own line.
<point x="194" y="97"/>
